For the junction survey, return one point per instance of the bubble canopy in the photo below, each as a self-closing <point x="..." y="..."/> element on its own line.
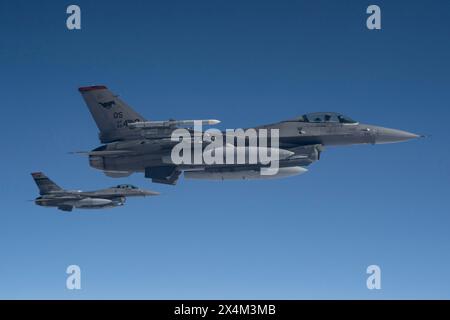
<point x="326" y="117"/>
<point x="125" y="186"/>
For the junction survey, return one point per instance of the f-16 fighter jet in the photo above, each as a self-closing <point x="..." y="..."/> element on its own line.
<point x="133" y="144"/>
<point x="51" y="195"/>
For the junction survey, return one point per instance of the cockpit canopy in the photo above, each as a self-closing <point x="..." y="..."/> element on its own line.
<point x="125" y="186"/>
<point x="326" y="117"/>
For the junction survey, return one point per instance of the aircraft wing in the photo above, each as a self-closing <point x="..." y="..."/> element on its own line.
<point x="62" y="198"/>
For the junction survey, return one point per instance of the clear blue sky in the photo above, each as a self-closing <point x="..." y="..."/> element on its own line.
<point x="245" y="63"/>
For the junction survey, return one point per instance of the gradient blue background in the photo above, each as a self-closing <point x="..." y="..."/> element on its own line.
<point x="245" y="63"/>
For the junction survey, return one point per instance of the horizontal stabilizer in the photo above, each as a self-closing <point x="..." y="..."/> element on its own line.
<point x="102" y="153"/>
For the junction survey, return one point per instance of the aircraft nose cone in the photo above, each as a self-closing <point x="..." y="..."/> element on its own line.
<point x="150" y="193"/>
<point x="386" y="135"/>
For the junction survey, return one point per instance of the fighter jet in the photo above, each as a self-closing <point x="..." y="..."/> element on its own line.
<point x="133" y="144"/>
<point x="51" y="195"/>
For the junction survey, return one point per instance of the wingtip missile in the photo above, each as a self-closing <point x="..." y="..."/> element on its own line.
<point x="212" y="122"/>
<point x="173" y="123"/>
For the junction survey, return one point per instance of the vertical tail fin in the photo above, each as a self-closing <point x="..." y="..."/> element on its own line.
<point x="44" y="184"/>
<point x="111" y="114"/>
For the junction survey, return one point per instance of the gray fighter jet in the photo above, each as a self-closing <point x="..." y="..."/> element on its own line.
<point x="51" y="195"/>
<point x="133" y="144"/>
